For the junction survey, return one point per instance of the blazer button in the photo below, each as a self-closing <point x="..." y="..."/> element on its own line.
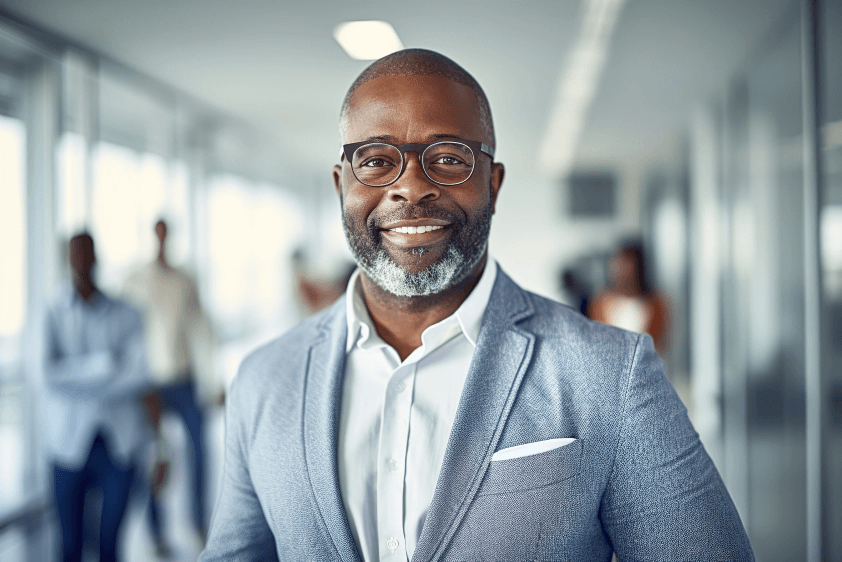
<point x="392" y="543"/>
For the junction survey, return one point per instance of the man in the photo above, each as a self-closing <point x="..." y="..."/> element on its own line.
<point x="179" y="341"/>
<point x="96" y="429"/>
<point x="439" y="411"/>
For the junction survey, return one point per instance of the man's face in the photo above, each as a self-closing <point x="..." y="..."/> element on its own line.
<point x="417" y="109"/>
<point x="161" y="231"/>
<point x="80" y="254"/>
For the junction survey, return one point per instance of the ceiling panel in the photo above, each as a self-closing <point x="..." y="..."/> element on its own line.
<point x="276" y="65"/>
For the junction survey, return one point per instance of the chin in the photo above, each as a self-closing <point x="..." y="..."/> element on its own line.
<point x="416" y="260"/>
<point x="441" y="274"/>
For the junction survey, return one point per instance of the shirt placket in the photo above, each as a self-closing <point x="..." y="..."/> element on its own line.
<point x="391" y="463"/>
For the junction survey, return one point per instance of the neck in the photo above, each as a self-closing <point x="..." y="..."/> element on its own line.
<point x="400" y="321"/>
<point x="162" y="258"/>
<point x="629" y="290"/>
<point x="85" y="288"/>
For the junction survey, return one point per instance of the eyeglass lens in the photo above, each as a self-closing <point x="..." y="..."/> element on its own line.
<point x="447" y="163"/>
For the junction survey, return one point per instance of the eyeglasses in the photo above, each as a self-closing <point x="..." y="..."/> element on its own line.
<point x="450" y="162"/>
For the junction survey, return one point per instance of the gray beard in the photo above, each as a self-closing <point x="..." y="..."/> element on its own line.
<point x="464" y="251"/>
<point x="450" y="270"/>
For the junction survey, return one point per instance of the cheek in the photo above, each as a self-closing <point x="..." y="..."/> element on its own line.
<point x="474" y="201"/>
<point x="358" y="203"/>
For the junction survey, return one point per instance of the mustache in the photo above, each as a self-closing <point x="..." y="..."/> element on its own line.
<point x="414" y="211"/>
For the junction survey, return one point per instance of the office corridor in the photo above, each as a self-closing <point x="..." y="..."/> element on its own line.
<point x="168" y="175"/>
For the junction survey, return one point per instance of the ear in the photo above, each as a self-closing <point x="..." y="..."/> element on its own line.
<point x="337" y="179"/>
<point x="497" y="173"/>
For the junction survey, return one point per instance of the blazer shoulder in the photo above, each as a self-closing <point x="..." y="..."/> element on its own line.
<point x="593" y="362"/>
<point x="555" y="322"/>
<point x="558" y="324"/>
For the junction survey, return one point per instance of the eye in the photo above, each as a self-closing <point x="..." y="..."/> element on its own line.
<point x="448" y="161"/>
<point x="376" y="163"/>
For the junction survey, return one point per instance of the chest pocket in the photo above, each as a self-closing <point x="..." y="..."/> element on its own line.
<point x="533" y="471"/>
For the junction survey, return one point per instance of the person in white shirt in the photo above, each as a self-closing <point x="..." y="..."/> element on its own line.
<point x="179" y="340"/>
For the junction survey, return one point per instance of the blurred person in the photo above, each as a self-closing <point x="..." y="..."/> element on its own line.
<point x="629" y="302"/>
<point x="96" y="424"/>
<point x="438" y="410"/>
<point x="179" y="344"/>
<point x="576" y="289"/>
<point x="317" y="292"/>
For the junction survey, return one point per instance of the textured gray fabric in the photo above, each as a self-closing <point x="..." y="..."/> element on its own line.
<point x="636" y="481"/>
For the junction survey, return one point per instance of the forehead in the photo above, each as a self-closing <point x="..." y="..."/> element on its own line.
<point x="411" y="108"/>
<point x="622" y="257"/>
<point x="80" y="246"/>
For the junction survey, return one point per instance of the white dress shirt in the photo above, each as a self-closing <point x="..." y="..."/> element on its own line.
<point x="396" y="419"/>
<point x="95" y="374"/>
<point x="178" y="335"/>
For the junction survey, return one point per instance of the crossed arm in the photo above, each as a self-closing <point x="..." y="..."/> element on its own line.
<point x="113" y="373"/>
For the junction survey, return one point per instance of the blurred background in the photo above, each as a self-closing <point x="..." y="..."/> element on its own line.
<point x="704" y="138"/>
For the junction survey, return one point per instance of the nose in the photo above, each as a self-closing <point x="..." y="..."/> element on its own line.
<point x="413" y="186"/>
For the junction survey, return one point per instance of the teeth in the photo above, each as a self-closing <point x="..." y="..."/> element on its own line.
<point x="415" y="229"/>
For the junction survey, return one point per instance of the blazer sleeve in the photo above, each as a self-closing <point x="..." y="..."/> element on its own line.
<point x="665" y="499"/>
<point x="239" y="531"/>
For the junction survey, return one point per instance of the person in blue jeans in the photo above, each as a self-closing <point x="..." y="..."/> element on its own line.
<point x="180" y="399"/>
<point x="96" y="425"/>
<point x="179" y="342"/>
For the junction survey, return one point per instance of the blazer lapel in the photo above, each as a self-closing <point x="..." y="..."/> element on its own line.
<point x="323" y="394"/>
<point x="501" y="358"/>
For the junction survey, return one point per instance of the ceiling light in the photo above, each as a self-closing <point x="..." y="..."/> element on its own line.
<point x="577" y="86"/>
<point x="367" y="40"/>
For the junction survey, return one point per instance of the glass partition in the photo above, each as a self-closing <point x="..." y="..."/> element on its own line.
<point x="763" y="292"/>
<point x="13" y="294"/>
<point x="20" y="278"/>
<point x="830" y="233"/>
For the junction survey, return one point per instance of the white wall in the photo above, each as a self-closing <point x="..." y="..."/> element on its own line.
<point x="533" y="236"/>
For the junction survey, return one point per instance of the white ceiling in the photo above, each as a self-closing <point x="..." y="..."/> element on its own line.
<point x="666" y="57"/>
<point x="275" y="63"/>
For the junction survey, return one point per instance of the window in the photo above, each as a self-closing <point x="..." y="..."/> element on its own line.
<point x="12" y="229"/>
<point x="13" y="297"/>
<point x="252" y="230"/>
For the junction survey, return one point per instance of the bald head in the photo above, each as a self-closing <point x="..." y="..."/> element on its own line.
<point x="419" y="62"/>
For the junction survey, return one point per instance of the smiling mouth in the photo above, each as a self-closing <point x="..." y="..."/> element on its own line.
<point x="413" y="229"/>
<point x="412" y="233"/>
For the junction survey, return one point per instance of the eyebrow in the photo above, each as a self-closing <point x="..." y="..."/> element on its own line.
<point x="381" y="138"/>
<point x="393" y="140"/>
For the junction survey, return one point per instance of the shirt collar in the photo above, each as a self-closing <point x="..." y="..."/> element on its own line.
<point x="75" y="299"/>
<point x="467" y="318"/>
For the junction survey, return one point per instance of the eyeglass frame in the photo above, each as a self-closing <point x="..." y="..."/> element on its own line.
<point x="476" y="147"/>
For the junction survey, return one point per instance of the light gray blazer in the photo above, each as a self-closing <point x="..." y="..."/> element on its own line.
<point x="636" y="480"/>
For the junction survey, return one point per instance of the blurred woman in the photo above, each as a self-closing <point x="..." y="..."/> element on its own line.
<point x="629" y="302"/>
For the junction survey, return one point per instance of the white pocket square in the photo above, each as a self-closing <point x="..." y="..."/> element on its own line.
<point x="531" y="448"/>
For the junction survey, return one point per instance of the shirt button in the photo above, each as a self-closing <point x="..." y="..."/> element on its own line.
<point x="392" y="465"/>
<point x="400" y="387"/>
<point x="392" y="543"/>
